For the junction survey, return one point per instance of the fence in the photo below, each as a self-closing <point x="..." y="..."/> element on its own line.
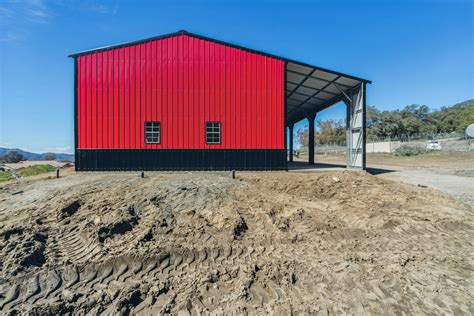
<point x="447" y="145"/>
<point x="382" y="147"/>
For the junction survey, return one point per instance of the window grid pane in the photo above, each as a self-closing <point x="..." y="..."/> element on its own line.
<point x="213" y="132"/>
<point x="152" y="132"/>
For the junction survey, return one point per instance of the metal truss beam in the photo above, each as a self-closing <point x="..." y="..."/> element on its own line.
<point x="314" y="95"/>
<point x="342" y="91"/>
<point x="294" y="118"/>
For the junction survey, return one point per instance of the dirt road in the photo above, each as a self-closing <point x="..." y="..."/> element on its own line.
<point x="196" y="243"/>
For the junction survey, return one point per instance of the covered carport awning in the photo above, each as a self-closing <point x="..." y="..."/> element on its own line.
<point x="310" y="89"/>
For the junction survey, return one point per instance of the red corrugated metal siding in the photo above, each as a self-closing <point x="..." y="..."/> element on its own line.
<point x="181" y="82"/>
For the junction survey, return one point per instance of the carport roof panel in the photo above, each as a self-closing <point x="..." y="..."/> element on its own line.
<point x="315" y="89"/>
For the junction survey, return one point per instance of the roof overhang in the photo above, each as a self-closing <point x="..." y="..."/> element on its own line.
<point x="310" y="89"/>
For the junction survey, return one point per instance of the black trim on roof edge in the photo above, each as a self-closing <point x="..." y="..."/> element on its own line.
<point x="183" y="32"/>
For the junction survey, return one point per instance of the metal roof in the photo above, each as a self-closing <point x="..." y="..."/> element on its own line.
<point x="309" y="88"/>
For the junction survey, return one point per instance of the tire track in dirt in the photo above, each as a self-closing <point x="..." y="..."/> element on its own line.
<point x="41" y="287"/>
<point x="70" y="246"/>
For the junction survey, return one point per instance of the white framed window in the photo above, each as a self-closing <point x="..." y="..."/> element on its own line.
<point x="152" y="132"/>
<point x="213" y="132"/>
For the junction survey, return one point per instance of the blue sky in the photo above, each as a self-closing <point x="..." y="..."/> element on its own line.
<point x="413" y="51"/>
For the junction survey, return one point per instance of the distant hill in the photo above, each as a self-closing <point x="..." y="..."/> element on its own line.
<point x="35" y="156"/>
<point x="464" y="104"/>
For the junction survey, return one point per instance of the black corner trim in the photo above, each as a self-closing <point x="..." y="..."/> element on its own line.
<point x="285" y="114"/>
<point x="75" y="112"/>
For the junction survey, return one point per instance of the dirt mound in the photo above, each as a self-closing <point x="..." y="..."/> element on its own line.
<point x="326" y="185"/>
<point x="281" y="243"/>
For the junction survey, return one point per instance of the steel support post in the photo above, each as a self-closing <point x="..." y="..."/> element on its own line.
<point x="291" y="142"/>
<point x="348" y="133"/>
<point x="311" y="119"/>
<point x="356" y="129"/>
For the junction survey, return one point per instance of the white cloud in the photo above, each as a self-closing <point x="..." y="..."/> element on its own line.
<point x="101" y="8"/>
<point x="19" y="17"/>
<point x="16" y="18"/>
<point x="40" y="150"/>
<point x="59" y="150"/>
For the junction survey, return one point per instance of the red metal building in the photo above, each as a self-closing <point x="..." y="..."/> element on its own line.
<point x="179" y="102"/>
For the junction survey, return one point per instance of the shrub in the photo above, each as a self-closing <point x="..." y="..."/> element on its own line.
<point x="5" y="176"/>
<point x="410" y="151"/>
<point x="35" y="169"/>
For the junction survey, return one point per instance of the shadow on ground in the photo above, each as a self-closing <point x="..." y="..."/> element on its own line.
<point x="303" y="165"/>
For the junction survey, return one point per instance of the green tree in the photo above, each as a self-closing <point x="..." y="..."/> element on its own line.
<point x="413" y="120"/>
<point x="330" y="132"/>
<point x="418" y="120"/>
<point x="466" y="118"/>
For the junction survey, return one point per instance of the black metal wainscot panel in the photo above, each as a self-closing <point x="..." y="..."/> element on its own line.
<point x="175" y="160"/>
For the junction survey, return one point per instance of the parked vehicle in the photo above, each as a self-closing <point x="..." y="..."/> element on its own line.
<point x="433" y="145"/>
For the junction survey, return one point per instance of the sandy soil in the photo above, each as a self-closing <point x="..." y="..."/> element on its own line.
<point x="450" y="173"/>
<point x="279" y="243"/>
